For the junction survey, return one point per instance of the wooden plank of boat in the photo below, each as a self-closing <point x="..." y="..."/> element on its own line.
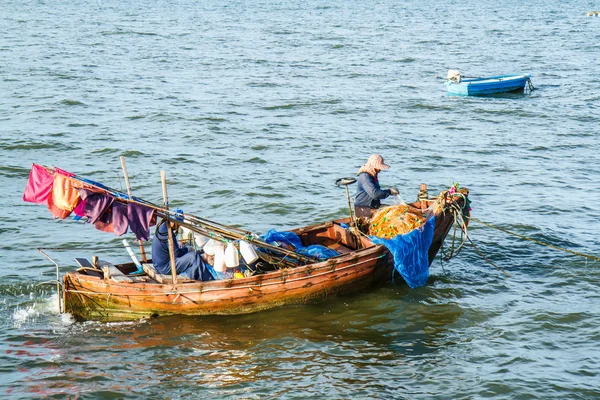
<point x="151" y="271"/>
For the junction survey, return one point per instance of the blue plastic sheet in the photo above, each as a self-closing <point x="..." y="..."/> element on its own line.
<point x="410" y="252"/>
<point x="290" y="238"/>
<point x="318" y="251"/>
<point x="282" y="237"/>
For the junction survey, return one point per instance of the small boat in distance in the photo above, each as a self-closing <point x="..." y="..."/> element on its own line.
<point x="456" y="84"/>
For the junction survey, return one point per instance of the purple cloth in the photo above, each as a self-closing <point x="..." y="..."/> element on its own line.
<point x="104" y="223"/>
<point x="119" y="218"/>
<point x="139" y="217"/>
<point x="95" y="205"/>
<point x="79" y="210"/>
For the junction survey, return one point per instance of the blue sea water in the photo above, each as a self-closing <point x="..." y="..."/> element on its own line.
<point x="253" y="109"/>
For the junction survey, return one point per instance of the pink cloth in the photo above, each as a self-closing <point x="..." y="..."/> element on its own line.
<point x="63" y="172"/>
<point x="39" y="185"/>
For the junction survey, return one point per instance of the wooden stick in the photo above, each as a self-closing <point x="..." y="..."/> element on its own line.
<point x="131" y="198"/>
<point x="171" y="244"/>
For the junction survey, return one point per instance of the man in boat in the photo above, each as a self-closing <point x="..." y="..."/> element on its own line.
<point x="188" y="263"/>
<point x="369" y="194"/>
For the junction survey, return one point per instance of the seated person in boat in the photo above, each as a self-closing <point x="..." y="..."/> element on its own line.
<point x="188" y="263"/>
<point x="369" y="194"/>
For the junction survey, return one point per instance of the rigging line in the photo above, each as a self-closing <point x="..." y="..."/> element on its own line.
<point x="536" y="241"/>
<point x="485" y="258"/>
<point x="79" y="248"/>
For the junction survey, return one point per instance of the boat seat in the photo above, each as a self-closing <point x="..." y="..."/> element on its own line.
<point x="161" y="278"/>
<point x="340" y="248"/>
<point x="88" y="268"/>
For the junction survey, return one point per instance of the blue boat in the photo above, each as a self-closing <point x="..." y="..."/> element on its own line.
<point x="458" y="85"/>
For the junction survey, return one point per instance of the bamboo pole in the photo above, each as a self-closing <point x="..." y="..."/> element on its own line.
<point x="128" y="186"/>
<point x="170" y="233"/>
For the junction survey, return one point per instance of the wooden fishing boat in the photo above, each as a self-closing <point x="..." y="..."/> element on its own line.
<point x="90" y="293"/>
<point x="487" y="85"/>
<point x="99" y="290"/>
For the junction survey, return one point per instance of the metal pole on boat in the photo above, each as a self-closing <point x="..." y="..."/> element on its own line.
<point x="131" y="198"/>
<point x="170" y="233"/>
<point x="354" y="228"/>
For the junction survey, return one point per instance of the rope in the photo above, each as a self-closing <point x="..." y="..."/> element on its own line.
<point x="530" y="85"/>
<point x="536" y="241"/>
<point x="486" y="259"/>
<point x="457" y="213"/>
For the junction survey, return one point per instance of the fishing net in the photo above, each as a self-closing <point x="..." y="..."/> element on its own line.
<point x="395" y="220"/>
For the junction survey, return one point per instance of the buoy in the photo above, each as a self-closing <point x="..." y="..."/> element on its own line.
<point x="219" y="259"/>
<point x="248" y="252"/>
<point x="232" y="258"/>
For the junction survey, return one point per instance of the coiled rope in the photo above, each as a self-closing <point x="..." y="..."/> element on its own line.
<point x="459" y="223"/>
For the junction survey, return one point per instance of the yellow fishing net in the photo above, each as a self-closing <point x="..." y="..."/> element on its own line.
<point x="395" y="220"/>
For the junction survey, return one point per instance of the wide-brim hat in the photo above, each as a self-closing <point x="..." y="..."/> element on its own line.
<point x="376" y="161"/>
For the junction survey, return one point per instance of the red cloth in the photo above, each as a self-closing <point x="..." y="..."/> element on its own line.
<point x="39" y="185"/>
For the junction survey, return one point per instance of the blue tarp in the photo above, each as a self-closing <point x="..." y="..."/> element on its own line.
<point x="318" y="251"/>
<point x="290" y="238"/>
<point x="410" y="252"/>
<point x="283" y="237"/>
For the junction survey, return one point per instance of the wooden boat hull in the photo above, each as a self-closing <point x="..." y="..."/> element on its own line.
<point x="488" y="85"/>
<point x="91" y="297"/>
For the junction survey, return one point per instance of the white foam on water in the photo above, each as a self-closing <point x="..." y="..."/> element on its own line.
<point x="23" y="315"/>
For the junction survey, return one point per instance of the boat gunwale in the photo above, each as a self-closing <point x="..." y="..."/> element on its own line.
<point x="276" y="277"/>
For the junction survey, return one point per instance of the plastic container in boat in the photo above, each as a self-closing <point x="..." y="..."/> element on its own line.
<point x="211" y="247"/>
<point x="200" y="239"/>
<point x="219" y="259"/>
<point x="232" y="258"/>
<point x="248" y="252"/>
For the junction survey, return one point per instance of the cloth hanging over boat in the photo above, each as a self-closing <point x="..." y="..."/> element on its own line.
<point x="65" y="193"/>
<point x="55" y="211"/>
<point x="96" y="204"/>
<point x="140" y="220"/>
<point x="39" y="185"/>
<point x="104" y="223"/>
<point x="120" y="223"/>
<point x="410" y="252"/>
